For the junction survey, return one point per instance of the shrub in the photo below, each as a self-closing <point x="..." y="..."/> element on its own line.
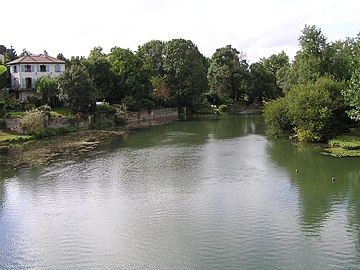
<point x="106" y="108"/>
<point x="148" y="104"/>
<point x="276" y="117"/>
<point x="223" y="108"/>
<point x="32" y="121"/>
<point x="50" y="131"/>
<point x="101" y="124"/>
<point x="3" y="74"/>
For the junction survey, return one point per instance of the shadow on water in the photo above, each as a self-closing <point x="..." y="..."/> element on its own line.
<point x="326" y="184"/>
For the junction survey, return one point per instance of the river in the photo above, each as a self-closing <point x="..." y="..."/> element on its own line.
<point x="212" y="193"/>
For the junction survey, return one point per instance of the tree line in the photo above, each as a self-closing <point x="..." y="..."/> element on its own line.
<point x="310" y="98"/>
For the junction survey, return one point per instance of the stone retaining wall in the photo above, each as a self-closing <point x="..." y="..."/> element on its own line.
<point x="132" y="120"/>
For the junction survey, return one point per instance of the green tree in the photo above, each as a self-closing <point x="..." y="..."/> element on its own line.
<point x="352" y="93"/>
<point x="314" y="111"/>
<point x="186" y="71"/>
<point x="3" y="76"/>
<point x="277" y="120"/>
<point x="311" y="61"/>
<point x="132" y="79"/>
<point x="48" y="88"/>
<point x="76" y="88"/>
<point x="152" y="54"/>
<point x="99" y="68"/>
<point x="227" y="73"/>
<point x="263" y="84"/>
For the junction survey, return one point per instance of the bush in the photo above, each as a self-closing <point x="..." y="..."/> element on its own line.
<point x="277" y="119"/>
<point x="119" y="120"/>
<point x="148" y="104"/>
<point x="101" y="124"/>
<point x="132" y="104"/>
<point x="3" y="74"/>
<point x="223" y="108"/>
<point x="49" y="131"/>
<point x="309" y="112"/>
<point x="32" y="121"/>
<point x="106" y="108"/>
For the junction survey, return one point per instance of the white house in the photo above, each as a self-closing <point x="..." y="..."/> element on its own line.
<point x="26" y="70"/>
<point x="2" y="59"/>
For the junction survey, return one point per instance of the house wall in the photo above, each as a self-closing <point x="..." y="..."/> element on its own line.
<point x="2" y="59"/>
<point x="18" y="78"/>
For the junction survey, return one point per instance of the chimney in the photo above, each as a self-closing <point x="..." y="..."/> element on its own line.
<point x="45" y="53"/>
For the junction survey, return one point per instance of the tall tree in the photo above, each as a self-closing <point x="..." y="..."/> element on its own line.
<point x="99" y="68"/>
<point x="186" y="71"/>
<point x="311" y="61"/>
<point x="152" y="54"/>
<point x="77" y="88"/>
<point x="132" y="79"/>
<point x="227" y="72"/>
<point x="352" y="93"/>
<point x="48" y="88"/>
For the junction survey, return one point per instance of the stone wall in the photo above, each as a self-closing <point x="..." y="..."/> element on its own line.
<point x="132" y="120"/>
<point x="13" y="125"/>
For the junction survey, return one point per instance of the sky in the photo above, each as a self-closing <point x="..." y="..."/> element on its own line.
<point x="259" y="28"/>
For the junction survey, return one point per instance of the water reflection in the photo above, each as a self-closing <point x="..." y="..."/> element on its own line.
<point x="322" y="201"/>
<point x="204" y="194"/>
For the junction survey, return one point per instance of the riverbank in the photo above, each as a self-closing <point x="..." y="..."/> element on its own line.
<point x="346" y="145"/>
<point x="37" y="152"/>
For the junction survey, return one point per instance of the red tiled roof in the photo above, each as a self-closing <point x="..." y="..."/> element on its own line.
<point x="36" y="59"/>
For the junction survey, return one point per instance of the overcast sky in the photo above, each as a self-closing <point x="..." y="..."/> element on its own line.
<point x="257" y="27"/>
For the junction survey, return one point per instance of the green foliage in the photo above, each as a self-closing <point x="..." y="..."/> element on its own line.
<point x="132" y="78"/>
<point x="76" y="88"/>
<point x="277" y="121"/>
<point x="48" y="88"/>
<point x="105" y="108"/>
<point x="148" y="104"/>
<point x="227" y="73"/>
<point x="3" y="76"/>
<point x="7" y="100"/>
<point x="352" y="93"/>
<point x="186" y="71"/>
<point x="223" y="108"/>
<point x="152" y="54"/>
<point x="309" y="112"/>
<point x="101" y="124"/>
<point x="99" y="68"/>
<point x="32" y="121"/>
<point x="53" y="131"/>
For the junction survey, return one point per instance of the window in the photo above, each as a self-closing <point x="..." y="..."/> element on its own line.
<point x="57" y="68"/>
<point x="42" y="68"/>
<point x="27" y="68"/>
<point x="15" y="69"/>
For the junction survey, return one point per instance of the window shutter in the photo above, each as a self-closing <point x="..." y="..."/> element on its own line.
<point x="32" y="68"/>
<point x="22" y="68"/>
<point x="23" y="85"/>
<point x="33" y="83"/>
<point x="48" y="68"/>
<point x="37" y="68"/>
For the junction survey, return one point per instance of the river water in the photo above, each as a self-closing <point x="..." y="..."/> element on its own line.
<point x="201" y="194"/>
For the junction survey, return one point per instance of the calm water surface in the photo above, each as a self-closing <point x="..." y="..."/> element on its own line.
<point x="204" y="194"/>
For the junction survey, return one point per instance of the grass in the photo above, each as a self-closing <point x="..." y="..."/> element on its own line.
<point x="7" y="137"/>
<point x="346" y="145"/>
<point x="15" y="114"/>
<point x="59" y="112"/>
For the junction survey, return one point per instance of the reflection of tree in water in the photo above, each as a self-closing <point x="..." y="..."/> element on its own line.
<point x="318" y="193"/>
<point x="354" y="206"/>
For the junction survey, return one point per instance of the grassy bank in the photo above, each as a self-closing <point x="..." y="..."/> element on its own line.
<point x="346" y="145"/>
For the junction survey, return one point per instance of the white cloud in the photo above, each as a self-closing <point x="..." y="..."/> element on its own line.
<point x="257" y="27"/>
